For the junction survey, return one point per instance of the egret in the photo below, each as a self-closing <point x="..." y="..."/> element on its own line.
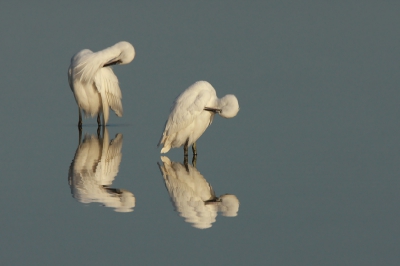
<point x="93" y="170"/>
<point x="193" y="196"/>
<point x="192" y="112"/>
<point x="93" y="82"/>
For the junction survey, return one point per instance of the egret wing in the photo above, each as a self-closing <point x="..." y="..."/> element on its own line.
<point x="185" y="109"/>
<point x="110" y="160"/>
<point x="107" y="84"/>
<point x="114" y="156"/>
<point x="86" y="64"/>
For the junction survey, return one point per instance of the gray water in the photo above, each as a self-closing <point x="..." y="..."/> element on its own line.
<point x="312" y="157"/>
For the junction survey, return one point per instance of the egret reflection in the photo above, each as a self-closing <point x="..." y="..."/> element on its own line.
<point x="94" y="168"/>
<point x="193" y="197"/>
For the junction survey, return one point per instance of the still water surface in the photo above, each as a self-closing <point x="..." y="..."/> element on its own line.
<point x="307" y="173"/>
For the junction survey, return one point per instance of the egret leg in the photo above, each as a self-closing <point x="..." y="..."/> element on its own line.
<point x="80" y="135"/>
<point x="185" y="149"/>
<point x="98" y="119"/>
<point x="185" y="162"/>
<point x="194" y="160"/>
<point x="194" y="149"/>
<point x="80" y="118"/>
<point x="185" y="155"/>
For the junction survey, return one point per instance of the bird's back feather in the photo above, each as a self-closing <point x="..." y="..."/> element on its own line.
<point x="107" y="84"/>
<point x="186" y="108"/>
<point x="188" y="105"/>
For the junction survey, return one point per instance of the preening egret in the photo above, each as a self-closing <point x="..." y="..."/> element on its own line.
<point x="93" y="82"/>
<point x="193" y="196"/>
<point x="94" y="168"/>
<point x="192" y="112"/>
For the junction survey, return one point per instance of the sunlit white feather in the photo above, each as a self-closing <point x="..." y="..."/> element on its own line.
<point x="96" y="87"/>
<point x="94" y="168"/>
<point x="188" y="120"/>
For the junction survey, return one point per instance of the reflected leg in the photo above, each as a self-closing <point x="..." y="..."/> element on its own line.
<point x="98" y="120"/>
<point x="80" y="118"/>
<point x="194" y="160"/>
<point x="80" y="135"/>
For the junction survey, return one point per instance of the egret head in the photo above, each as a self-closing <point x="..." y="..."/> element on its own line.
<point x="123" y="53"/>
<point x="229" y="106"/>
<point x="127" y="52"/>
<point x="127" y="201"/>
<point x="229" y="205"/>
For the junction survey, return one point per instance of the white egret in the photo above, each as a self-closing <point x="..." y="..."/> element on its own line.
<point x="94" y="168"/>
<point x="93" y="82"/>
<point x="192" y="112"/>
<point x="193" y="196"/>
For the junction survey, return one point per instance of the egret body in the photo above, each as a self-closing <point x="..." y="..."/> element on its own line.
<point x="193" y="196"/>
<point x="94" y="84"/>
<point x="93" y="170"/>
<point x="192" y="112"/>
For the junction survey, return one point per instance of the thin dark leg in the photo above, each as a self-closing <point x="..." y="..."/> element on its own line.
<point x="80" y="134"/>
<point x="194" y="149"/>
<point x="194" y="160"/>
<point x="185" y="149"/>
<point x="185" y="162"/>
<point x="98" y="119"/>
<point x="185" y="155"/>
<point x="98" y="131"/>
<point x="80" y="118"/>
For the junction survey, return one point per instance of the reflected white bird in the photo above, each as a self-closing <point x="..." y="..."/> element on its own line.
<point x="192" y="112"/>
<point x="94" y="84"/>
<point x="193" y="196"/>
<point x="94" y="168"/>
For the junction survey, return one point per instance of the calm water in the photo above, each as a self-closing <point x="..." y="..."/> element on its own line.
<point x="306" y="174"/>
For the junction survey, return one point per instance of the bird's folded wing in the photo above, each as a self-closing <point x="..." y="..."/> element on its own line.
<point x="114" y="156"/>
<point x="185" y="110"/>
<point x="108" y="166"/>
<point x="86" y="63"/>
<point x="107" y="84"/>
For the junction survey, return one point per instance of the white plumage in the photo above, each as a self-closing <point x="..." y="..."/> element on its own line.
<point x="193" y="196"/>
<point x="192" y="112"/>
<point x="94" y="84"/>
<point x="94" y="168"/>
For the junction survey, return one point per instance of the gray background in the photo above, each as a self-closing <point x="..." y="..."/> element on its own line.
<point x="313" y="155"/>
